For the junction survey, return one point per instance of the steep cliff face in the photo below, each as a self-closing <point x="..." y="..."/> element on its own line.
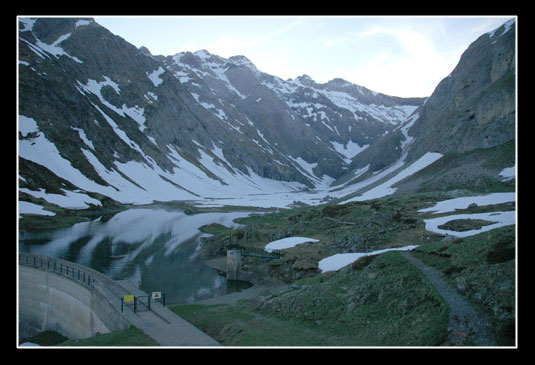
<point x="474" y="107"/>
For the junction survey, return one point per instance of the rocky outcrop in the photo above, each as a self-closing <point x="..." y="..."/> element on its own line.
<point x="474" y="106"/>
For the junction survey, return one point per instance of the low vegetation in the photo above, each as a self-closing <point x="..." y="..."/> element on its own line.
<point x="384" y="303"/>
<point x="482" y="269"/>
<point x="379" y="300"/>
<point x="129" y="337"/>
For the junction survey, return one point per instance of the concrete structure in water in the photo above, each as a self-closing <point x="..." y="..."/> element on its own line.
<point x="233" y="264"/>
<point x="79" y="302"/>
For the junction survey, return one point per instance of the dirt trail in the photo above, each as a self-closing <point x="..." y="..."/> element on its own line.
<point x="464" y="319"/>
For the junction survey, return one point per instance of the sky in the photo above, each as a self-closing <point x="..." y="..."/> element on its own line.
<point x="395" y="55"/>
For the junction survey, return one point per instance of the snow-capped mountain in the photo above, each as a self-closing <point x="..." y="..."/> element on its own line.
<point x="321" y="127"/>
<point x="101" y="121"/>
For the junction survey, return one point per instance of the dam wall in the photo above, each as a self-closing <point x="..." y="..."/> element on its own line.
<point x="66" y="297"/>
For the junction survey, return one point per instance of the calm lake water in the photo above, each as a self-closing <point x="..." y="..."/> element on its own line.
<point x="156" y="249"/>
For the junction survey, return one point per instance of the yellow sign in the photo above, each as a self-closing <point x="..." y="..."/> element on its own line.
<point x="156" y="295"/>
<point x="128" y="298"/>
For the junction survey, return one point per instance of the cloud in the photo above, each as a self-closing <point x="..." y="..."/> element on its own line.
<point x="408" y="65"/>
<point x="232" y="43"/>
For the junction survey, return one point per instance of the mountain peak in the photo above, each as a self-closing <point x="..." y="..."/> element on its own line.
<point x="339" y="82"/>
<point x="506" y="26"/>
<point x="240" y="60"/>
<point x="305" y="80"/>
<point x="204" y="54"/>
<point x="145" y="50"/>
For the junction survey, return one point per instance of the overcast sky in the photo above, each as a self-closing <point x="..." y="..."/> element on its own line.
<point x="400" y="56"/>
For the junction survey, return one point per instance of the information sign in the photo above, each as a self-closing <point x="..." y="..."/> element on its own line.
<point x="128" y="298"/>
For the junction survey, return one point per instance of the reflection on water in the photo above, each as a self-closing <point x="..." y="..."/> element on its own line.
<point x="156" y="249"/>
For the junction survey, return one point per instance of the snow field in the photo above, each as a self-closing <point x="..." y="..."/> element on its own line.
<point x="338" y="261"/>
<point x="287" y="243"/>
<point x="31" y="208"/>
<point x="451" y="205"/>
<point x="386" y="188"/>
<point x="500" y="219"/>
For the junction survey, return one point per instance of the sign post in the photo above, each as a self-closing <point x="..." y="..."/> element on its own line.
<point x="128" y="299"/>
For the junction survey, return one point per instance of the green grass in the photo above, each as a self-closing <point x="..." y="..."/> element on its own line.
<point x="132" y="336"/>
<point x="482" y="268"/>
<point x="385" y="303"/>
<point x="46" y="338"/>
<point x="242" y="326"/>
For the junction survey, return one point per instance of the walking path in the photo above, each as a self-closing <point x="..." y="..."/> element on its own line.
<point x="464" y="319"/>
<point x="160" y="323"/>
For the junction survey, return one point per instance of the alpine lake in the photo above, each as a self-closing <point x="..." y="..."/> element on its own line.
<point x="157" y="248"/>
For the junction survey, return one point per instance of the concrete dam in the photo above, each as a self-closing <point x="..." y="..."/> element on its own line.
<point x="79" y="302"/>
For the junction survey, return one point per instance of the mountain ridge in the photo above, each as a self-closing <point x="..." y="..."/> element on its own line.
<point x="116" y="121"/>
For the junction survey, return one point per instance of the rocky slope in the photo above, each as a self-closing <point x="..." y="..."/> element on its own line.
<point x="471" y="111"/>
<point x="474" y="106"/>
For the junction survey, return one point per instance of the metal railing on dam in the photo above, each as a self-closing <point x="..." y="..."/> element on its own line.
<point x="73" y="271"/>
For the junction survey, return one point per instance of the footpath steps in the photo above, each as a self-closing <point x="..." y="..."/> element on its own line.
<point x="160" y="323"/>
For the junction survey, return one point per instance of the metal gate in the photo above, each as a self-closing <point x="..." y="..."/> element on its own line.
<point x="141" y="303"/>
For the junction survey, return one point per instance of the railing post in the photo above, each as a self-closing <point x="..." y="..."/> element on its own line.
<point x="122" y="302"/>
<point x="135" y="304"/>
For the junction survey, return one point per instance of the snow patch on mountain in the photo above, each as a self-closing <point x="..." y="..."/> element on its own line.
<point x="386" y="188"/>
<point x="154" y="76"/>
<point x="31" y="208"/>
<point x="349" y="150"/>
<point x="95" y="87"/>
<point x="41" y="48"/>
